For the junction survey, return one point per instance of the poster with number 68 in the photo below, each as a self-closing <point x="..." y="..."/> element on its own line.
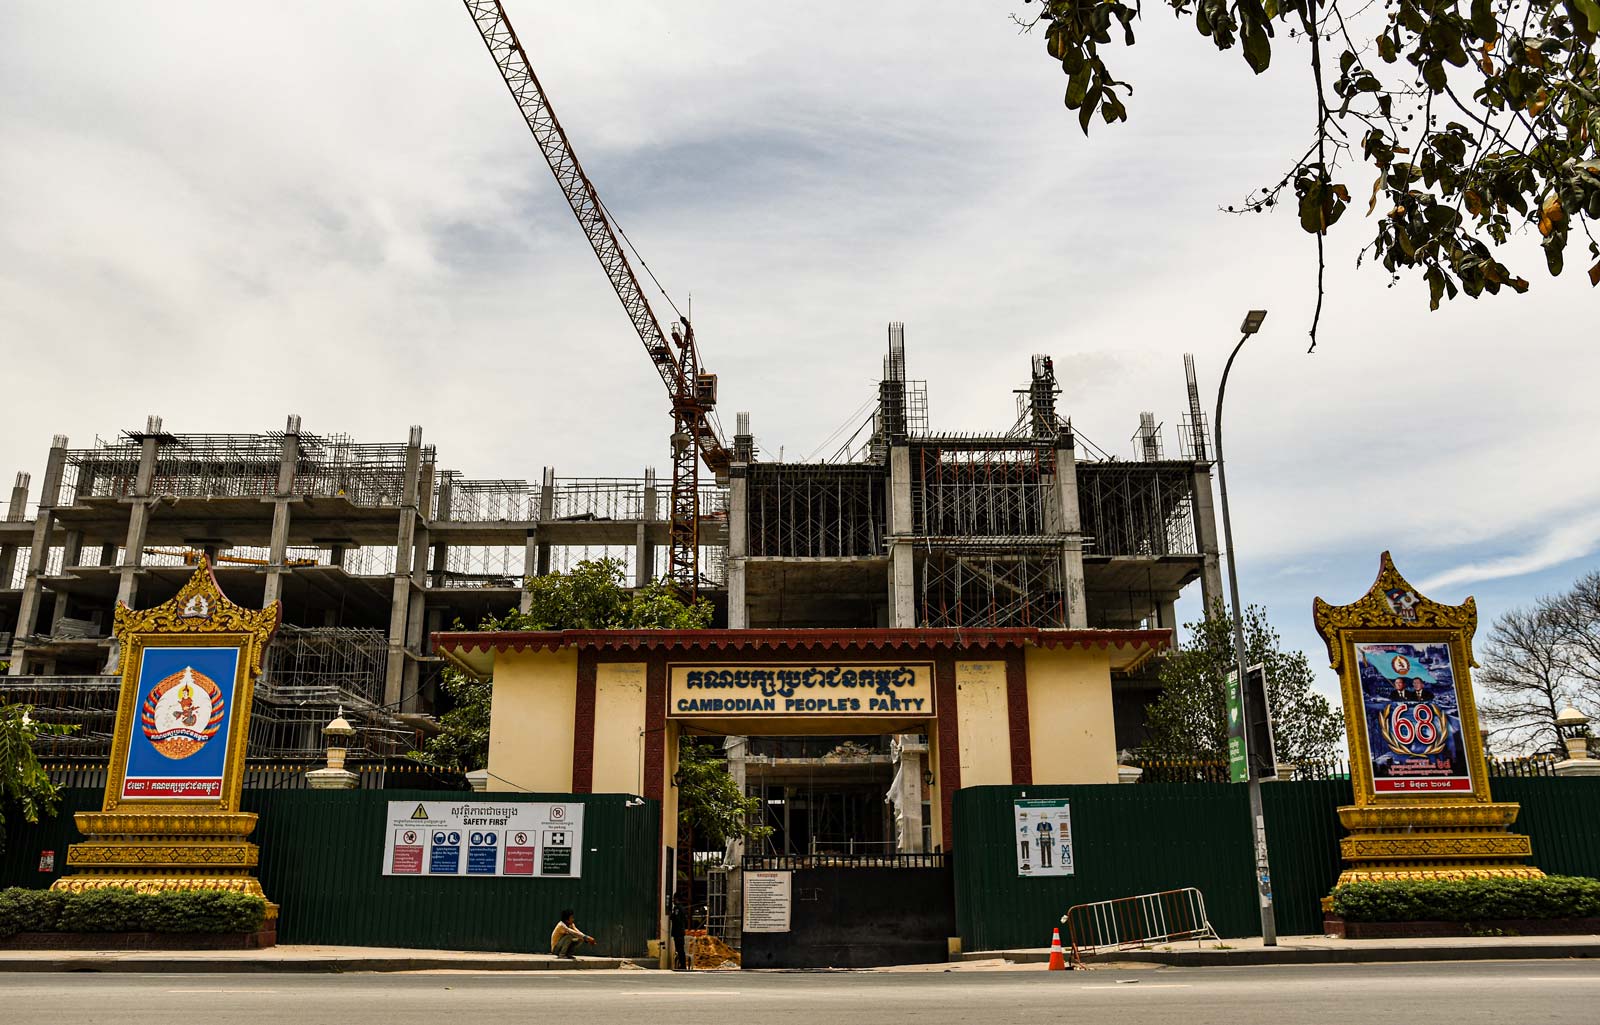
<point x="1413" y="719"/>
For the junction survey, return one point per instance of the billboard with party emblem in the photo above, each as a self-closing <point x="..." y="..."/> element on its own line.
<point x="170" y="817"/>
<point x="1412" y="715"/>
<point x="1422" y="803"/>
<point x="179" y="747"/>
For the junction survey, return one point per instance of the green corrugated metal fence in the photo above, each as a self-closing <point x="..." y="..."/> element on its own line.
<point x="322" y="855"/>
<point x="322" y="862"/>
<point x="1130" y="840"/>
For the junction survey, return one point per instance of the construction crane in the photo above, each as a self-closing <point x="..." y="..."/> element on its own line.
<point x="693" y="394"/>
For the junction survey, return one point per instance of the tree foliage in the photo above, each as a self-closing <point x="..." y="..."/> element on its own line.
<point x="1189" y="720"/>
<point x="1537" y="662"/>
<point x="589" y="597"/>
<point x="25" y="787"/>
<point x="712" y="809"/>
<point x="1478" y="119"/>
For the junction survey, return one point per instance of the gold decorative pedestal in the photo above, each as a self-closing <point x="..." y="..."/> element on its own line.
<point x="1423" y="808"/>
<point x="159" y="850"/>
<point x="170" y="819"/>
<point x="1445" y="841"/>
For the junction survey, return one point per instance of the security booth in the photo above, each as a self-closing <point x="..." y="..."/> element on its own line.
<point x="602" y="711"/>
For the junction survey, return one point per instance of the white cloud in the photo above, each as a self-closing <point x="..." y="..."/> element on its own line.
<point x="227" y="214"/>
<point x="1573" y="539"/>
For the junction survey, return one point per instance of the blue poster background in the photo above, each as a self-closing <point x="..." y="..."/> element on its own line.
<point x="1430" y="678"/>
<point x="144" y="761"/>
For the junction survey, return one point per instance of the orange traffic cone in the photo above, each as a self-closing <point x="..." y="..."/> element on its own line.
<point x="1058" y="963"/>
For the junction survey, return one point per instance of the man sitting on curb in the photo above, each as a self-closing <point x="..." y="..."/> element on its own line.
<point x="566" y="936"/>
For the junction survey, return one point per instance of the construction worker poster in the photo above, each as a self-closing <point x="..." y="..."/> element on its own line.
<point x="1044" y="838"/>
<point x="513" y="839"/>
<point x="178" y="746"/>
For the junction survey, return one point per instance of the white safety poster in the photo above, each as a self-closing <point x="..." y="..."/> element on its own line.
<point x="768" y="896"/>
<point x="481" y="838"/>
<point x="1043" y="837"/>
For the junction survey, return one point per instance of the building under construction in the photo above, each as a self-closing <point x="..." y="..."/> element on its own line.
<point x="372" y="547"/>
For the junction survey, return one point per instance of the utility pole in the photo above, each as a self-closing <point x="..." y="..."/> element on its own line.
<point x="1258" y="823"/>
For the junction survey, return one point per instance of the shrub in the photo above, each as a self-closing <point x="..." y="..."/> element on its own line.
<point x="1468" y="900"/>
<point x="126" y="910"/>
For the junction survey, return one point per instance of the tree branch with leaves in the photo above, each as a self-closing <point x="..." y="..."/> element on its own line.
<point x="1478" y="118"/>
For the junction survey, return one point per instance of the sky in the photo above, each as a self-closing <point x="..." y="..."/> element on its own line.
<point x="223" y="214"/>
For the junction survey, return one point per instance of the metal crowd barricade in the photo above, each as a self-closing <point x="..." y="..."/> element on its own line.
<point x="1130" y="922"/>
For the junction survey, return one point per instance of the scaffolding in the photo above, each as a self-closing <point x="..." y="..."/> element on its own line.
<point x="1138" y="509"/>
<point x="239" y="466"/>
<point x="998" y="583"/>
<point x="479" y="501"/>
<point x="963" y="489"/>
<point x="817" y="510"/>
<point x="89" y="702"/>
<point x="330" y="664"/>
<point x="334" y="465"/>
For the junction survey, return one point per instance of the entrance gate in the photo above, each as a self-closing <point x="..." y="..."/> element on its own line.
<point x="857" y="911"/>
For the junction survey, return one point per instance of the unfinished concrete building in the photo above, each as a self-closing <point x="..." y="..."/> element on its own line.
<point x="373" y="547"/>
<point x="370" y="548"/>
<point x="1034" y="526"/>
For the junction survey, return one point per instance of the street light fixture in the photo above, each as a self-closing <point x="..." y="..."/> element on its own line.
<point x="1258" y="825"/>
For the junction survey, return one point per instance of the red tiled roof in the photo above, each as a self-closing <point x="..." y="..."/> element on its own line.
<point x="463" y="642"/>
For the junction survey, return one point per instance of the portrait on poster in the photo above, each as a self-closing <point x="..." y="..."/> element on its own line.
<point x="1412" y="713"/>
<point x="184" y="706"/>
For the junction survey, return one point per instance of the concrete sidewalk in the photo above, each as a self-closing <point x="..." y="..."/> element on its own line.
<point x="1305" y="950"/>
<point x="290" y="958"/>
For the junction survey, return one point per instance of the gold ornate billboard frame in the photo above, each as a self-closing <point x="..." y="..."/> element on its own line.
<point x="159" y="843"/>
<point x="1405" y="836"/>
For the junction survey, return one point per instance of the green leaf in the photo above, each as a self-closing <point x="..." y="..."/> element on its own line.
<point x="1091" y="100"/>
<point x="1257" y="47"/>
<point x="1591" y="11"/>
<point x="1433" y="73"/>
<point x="1078" y="86"/>
<point x="1482" y="19"/>
<point x="1386" y="48"/>
<point x="1271" y="8"/>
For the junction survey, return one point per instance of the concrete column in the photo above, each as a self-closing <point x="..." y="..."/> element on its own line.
<point x="530" y="568"/>
<point x="1070" y="517"/>
<point x="404" y="559"/>
<point x="38" y="552"/>
<point x="547" y="512"/>
<point x="738" y="545"/>
<point x="1205" y="528"/>
<point x="652" y="514"/>
<point x="736" y="749"/>
<point x="16" y="512"/>
<point x="139" y="513"/>
<point x="902" y="575"/>
<point x="1167" y="611"/>
<point x="277" y="553"/>
<point x="416" y="635"/>
<point x="441" y="511"/>
<point x="909" y="753"/>
<point x="71" y="548"/>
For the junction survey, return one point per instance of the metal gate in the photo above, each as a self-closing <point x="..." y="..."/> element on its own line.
<point x="856" y="911"/>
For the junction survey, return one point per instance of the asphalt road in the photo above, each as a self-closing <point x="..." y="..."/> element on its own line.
<point x="1457" y="993"/>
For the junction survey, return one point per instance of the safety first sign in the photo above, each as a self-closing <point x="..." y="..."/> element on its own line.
<point x="466" y="838"/>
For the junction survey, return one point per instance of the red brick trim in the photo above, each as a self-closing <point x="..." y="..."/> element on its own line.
<point x="949" y="741"/>
<point x="655" y="726"/>
<point x="1017" y="716"/>
<point x="583" y="726"/>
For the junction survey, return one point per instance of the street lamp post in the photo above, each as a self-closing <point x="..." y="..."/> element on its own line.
<point x="1258" y="825"/>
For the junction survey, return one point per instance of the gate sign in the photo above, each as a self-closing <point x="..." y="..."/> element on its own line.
<point x="892" y="691"/>
<point x="484" y="838"/>
<point x="768" y="898"/>
<point x="1043" y="832"/>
